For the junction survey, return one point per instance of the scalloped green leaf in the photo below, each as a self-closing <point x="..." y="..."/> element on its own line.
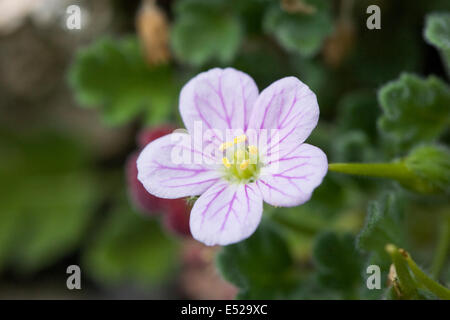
<point x="300" y="32"/>
<point x="205" y="31"/>
<point x="437" y="33"/>
<point x="260" y="266"/>
<point x="437" y="30"/>
<point x="415" y="110"/>
<point x="112" y="75"/>
<point x="431" y="163"/>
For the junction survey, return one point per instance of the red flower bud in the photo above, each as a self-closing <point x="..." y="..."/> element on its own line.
<point x="148" y="135"/>
<point x="176" y="217"/>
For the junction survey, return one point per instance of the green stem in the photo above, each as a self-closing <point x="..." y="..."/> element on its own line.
<point x="398" y="171"/>
<point x="436" y="288"/>
<point x="394" y="170"/>
<point x="408" y="285"/>
<point x="442" y="247"/>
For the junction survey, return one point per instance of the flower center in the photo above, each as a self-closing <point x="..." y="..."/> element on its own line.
<point x="241" y="161"/>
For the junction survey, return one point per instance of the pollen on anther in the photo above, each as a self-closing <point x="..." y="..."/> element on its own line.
<point x="225" y="145"/>
<point x="240" y="139"/>
<point x="253" y="150"/>
<point x="226" y="163"/>
<point x="244" y="164"/>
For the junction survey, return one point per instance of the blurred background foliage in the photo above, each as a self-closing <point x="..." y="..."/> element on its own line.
<point x="74" y="105"/>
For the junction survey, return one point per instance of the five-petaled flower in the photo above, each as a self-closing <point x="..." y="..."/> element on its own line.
<point x="243" y="172"/>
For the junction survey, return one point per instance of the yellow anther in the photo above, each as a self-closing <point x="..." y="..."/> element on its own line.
<point x="253" y="150"/>
<point x="240" y="139"/>
<point x="244" y="164"/>
<point x="225" y="145"/>
<point x="226" y="163"/>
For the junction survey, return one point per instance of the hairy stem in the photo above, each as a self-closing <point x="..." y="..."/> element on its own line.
<point x="408" y="285"/>
<point x="439" y="290"/>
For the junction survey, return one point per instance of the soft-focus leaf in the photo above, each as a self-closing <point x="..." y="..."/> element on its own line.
<point x="437" y="33"/>
<point x="300" y="32"/>
<point x="260" y="266"/>
<point x="437" y="30"/>
<point x="113" y="76"/>
<point x="384" y="225"/>
<point x="414" y="109"/>
<point x="46" y="200"/>
<point x="431" y="164"/>
<point x="338" y="262"/>
<point x="130" y="248"/>
<point x="205" y="30"/>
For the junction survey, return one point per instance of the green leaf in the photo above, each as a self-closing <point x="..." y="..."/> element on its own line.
<point x="204" y="31"/>
<point x="338" y="262"/>
<point x="130" y="248"/>
<point x="437" y="30"/>
<point x="300" y="32"/>
<point x="260" y="266"/>
<point x="46" y="200"/>
<point x="112" y="75"/>
<point x="415" y="109"/>
<point x="437" y="33"/>
<point x="383" y="225"/>
<point x="431" y="164"/>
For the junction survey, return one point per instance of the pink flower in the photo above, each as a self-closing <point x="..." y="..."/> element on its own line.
<point x="241" y="148"/>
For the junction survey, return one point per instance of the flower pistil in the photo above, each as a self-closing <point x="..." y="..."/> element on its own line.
<point x="241" y="161"/>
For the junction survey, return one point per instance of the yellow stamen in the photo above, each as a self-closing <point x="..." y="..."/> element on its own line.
<point x="226" y="163"/>
<point x="240" y="139"/>
<point x="225" y="145"/>
<point x="253" y="150"/>
<point x="244" y="164"/>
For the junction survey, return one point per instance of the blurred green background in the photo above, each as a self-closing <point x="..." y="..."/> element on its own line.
<point x="74" y="102"/>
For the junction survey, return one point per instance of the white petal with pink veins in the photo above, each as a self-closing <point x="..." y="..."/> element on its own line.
<point x="290" y="108"/>
<point x="226" y="213"/>
<point x="169" y="167"/>
<point x="220" y="99"/>
<point x="291" y="180"/>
